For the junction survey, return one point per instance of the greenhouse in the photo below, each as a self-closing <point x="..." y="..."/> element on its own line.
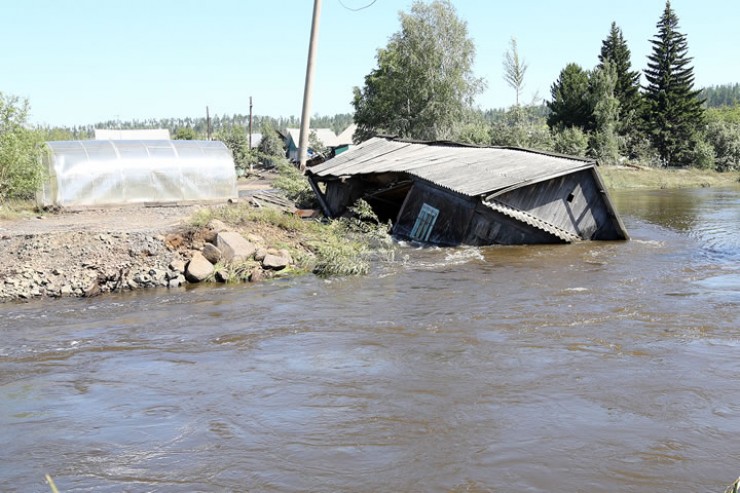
<point x="107" y="172"/>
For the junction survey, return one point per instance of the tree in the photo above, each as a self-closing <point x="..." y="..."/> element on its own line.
<point x="185" y="133"/>
<point x="423" y="84"/>
<point x="514" y="69"/>
<point x="627" y="87"/>
<point x="674" y="113"/>
<point x="605" y="141"/>
<point x="571" y="102"/>
<point x="21" y="171"/>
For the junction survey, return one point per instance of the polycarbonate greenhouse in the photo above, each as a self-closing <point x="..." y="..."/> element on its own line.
<point x="107" y="172"/>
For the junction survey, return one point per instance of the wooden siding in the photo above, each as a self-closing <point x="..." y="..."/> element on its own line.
<point x="488" y="227"/>
<point x="455" y="213"/>
<point x="573" y="202"/>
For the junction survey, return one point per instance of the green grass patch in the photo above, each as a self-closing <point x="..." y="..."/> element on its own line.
<point x="621" y="178"/>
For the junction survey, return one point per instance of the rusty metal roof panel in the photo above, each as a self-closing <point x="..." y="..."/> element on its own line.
<point x="467" y="170"/>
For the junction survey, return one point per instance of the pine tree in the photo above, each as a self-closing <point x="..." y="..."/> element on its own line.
<point x="674" y="112"/>
<point x="614" y="48"/>
<point x="571" y="101"/>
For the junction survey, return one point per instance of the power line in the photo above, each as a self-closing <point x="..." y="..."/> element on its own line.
<point x="358" y="9"/>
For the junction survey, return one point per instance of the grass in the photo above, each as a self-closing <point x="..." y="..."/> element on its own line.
<point x="333" y="248"/>
<point x="621" y="178"/>
<point x="14" y="209"/>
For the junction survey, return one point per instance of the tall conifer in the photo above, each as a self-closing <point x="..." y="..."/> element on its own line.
<point x="674" y="112"/>
<point x="614" y="49"/>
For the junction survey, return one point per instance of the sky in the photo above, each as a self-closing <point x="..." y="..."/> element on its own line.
<point x="80" y="62"/>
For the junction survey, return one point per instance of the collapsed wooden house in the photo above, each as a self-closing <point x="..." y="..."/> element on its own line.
<point x="449" y="194"/>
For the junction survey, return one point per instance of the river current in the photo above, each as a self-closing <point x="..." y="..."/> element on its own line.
<point x="573" y="368"/>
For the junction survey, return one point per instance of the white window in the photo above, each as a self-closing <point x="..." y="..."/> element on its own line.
<point x="424" y="223"/>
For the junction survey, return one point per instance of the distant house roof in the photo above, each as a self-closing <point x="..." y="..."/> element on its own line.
<point x="139" y="134"/>
<point x="467" y="170"/>
<point x="326" y="136"/>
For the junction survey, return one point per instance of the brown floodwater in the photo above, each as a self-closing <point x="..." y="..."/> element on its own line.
<point x="576" y="368"/>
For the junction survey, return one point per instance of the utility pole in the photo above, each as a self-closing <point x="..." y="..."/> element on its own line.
<point x="208" y="124"/>
<point x="251" y="167"/>
<point x="306" y="113"/>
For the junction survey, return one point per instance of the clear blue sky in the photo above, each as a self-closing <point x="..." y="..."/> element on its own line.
<point x="85" y="61"/>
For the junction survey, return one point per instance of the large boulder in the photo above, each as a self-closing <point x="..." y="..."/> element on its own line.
<point x="275" y="262"/>
<point x="212" y="253"/>
<point x="234" y="247"/>
<point x="198" y="269"/>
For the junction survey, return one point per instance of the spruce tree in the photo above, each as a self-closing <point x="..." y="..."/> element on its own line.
<point x="571" y="104"/>
<point x="614" y="49"/>
<point x="673" y="113"/>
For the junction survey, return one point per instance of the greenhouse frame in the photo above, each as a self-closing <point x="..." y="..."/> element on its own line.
<point x="105" y="172"/>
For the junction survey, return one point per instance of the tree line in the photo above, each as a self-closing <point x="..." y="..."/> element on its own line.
<point x="423" y="86"/>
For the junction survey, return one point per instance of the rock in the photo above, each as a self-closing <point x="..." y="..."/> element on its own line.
<point x="260" y="254"/>
<point x="177" y="265"/>
<point x="198" y="269"/>
<point x="255" y="239"/>
<point x="212" y="253"/>
<point x="275" y="262"/>
<point x="93" y="289"/>
<point x="212" y="229"/>
<point x="66" y="290"/>
<point x="256" y="275"/>
<point x="222" y="275"/>
<point x="234" y="247"/>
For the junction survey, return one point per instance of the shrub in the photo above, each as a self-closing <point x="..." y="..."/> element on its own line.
<point x="21" y="149"/>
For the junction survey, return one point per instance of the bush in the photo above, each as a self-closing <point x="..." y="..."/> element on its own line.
<point x="725" y="138"/>
<point x="294" y="184"/>
<point x="571" y="141"/>
<point x="21" y="149"/>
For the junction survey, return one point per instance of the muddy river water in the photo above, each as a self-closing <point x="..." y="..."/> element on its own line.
<point x="577" y="368"/>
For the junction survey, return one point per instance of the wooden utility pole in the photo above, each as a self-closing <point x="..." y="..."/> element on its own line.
<point x="251" y="167"/>
<point x="208" y="124"/>
<point x="307" y="91"/>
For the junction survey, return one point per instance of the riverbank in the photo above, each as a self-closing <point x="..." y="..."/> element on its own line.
<point x="92" y="252"/>
<point x="633" y="177"/>
<point x="95" y="251"/>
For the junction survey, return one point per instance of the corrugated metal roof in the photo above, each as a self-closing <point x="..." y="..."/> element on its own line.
<point x="533" y="221"/>
<point x="470" y="171"/>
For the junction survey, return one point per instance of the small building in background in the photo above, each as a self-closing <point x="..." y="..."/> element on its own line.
<point x="83" y="173"/>
<point x="335" y="144"/>
<point x="448" y="194"/>
<point x="132" y="134"/>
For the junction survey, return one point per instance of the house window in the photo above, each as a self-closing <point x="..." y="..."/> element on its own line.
<point x="424" y="223"/>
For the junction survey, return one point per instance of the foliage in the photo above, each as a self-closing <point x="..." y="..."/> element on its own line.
<point x="294" y="184"/>
<point x="605" y="142"/>
<point x="236" y="140"/>
<point x="315" y="144"/>
<point x="514" y="69"/>
<point x="725" y="114"/>
<point x="725" y="140"/>
<point x="627" y="85"/>
<point x="722" y="95"/>
<point x="423" y="83"/>
<point x="673" y="113"/>
<point x="570" y="105"/>
<point x="185" y="133"/>
<point x="476" y="133"/>
<point x="702" y="154"/>
<point x="522" y="126"/>
<point x="571" y="141"/>
<point x="21" y="170"/>
<point x="335" y="248"/>
<point x="271" y="148"/>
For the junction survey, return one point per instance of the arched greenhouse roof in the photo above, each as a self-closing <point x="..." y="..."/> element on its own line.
<point x="108" y="172"/>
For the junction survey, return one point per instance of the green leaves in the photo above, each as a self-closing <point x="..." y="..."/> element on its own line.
<point x="21" y="170"/>
<point x="423" y="84"/>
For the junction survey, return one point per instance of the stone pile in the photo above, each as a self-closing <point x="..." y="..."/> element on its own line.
<point x="82" y="264"/>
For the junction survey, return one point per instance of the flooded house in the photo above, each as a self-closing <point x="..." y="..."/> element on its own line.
<point x="449" y="194"/>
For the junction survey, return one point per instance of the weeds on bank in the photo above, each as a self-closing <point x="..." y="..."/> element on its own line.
<point x="12" y="209"/>
<point x="339" y="247"/>
<point x="621" y="178"/>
